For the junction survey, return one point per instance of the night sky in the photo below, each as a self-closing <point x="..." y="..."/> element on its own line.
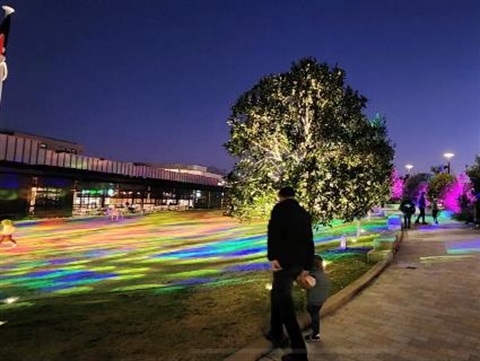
<point x="154" y="80"/>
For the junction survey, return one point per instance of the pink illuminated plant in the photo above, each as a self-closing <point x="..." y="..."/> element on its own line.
<point x="462" y="187"/>
<point x="396" y="191"/>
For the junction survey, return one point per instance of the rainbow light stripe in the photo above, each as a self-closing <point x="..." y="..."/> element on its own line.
<point x="161" y="252"/>
<point x="463" y="247"/>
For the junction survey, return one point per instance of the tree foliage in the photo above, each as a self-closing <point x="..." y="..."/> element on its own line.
<point x="438" y="184"/>
<point x="415" y="184"/>
<point x="458" y="196"/>
<point x="473" y="173"/>
<point x="397" y="182"/>
<point x="306" y="128"/>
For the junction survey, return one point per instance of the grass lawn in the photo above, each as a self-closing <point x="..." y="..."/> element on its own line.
<point x="183" y="286"/>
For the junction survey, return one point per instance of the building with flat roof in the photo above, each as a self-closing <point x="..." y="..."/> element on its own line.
<point x="191" y="169"/>
<point x="41" y="179"/>
<point x="54" y="144"/>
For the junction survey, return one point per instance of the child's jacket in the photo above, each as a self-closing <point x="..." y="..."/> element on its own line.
<point x="319" y="293"/>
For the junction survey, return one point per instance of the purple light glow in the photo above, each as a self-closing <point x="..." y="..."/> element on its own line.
<point x="461" y="186"/>
<point x="397" y="185"/>
<point x="422" y="188"/>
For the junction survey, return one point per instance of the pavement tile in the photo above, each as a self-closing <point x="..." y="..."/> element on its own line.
<point x="417" y="314"/>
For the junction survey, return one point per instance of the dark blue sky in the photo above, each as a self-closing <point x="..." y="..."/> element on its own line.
<point x="154" y="80"/>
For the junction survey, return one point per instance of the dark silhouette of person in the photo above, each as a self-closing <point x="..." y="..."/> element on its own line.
<point x="421" y="206"/>
<point x="291" y="254"/>
<point x="407" y="207"/>
<point x="316" y="297"/>
<point x="435" y="210"/>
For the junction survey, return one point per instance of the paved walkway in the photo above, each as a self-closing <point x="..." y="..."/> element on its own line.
<point x="425" y="306"/>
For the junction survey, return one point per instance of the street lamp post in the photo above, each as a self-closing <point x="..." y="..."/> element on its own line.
<point x="448" y="156"/>
<point x="409" y="167"/>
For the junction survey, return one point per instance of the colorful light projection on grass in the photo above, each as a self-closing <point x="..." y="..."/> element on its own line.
<point x="162" y="252"/>
<point x="332" y="255"/>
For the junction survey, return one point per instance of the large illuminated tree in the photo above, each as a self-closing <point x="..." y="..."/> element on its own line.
<point x="306" y="128"/>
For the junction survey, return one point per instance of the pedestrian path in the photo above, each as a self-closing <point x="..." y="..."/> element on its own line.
<point x="424" y="307"/>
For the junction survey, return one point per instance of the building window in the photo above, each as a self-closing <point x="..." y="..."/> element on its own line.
<point x="43" y="146"/>
<point x="49" y="197"/>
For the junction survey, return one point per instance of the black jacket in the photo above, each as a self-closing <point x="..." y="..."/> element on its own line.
<point x="407" y="207"/>
<point x="290" y="236"/>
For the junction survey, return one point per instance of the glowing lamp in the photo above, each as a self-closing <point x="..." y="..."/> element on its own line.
<point x="10" y="300"/>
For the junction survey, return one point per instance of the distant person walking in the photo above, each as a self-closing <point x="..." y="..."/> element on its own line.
<point x="316" y="297"/>
<point x="421" y="206"/>
<point x="407" y="207"/>
<point x="8" y="229"/>
<point x="435" y="210"/>
<point x="291" y="254"/>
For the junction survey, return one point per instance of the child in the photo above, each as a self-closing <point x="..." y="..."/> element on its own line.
<point x="316" y="297"/>
<point x="7" y="232"/>
<point x="435" y="210"/>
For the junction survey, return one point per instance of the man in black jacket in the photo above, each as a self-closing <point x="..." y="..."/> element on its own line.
<point x="407" y="207"/>
<point x="291" y="254"/>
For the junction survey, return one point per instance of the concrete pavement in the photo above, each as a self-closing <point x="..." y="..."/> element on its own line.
<point x="425" y="306"/>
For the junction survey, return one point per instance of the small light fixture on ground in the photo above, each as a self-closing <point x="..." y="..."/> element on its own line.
<point x="10" y="300"/>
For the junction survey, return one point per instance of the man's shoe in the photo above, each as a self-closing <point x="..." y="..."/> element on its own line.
<point x="312" y="338"/>
<point x="277" y="342"/>
<point x="294" y="357"/>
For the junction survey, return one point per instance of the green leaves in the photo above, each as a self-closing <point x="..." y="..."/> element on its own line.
<point x="305" y="128"/>
<point x="473" y="173"/>
<point x="438" y="184"/>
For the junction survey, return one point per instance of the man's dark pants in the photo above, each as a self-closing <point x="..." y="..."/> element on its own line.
<point x="421" y="215"/>
<point x="407" y="220"/>
<point x="283" y="312"/>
